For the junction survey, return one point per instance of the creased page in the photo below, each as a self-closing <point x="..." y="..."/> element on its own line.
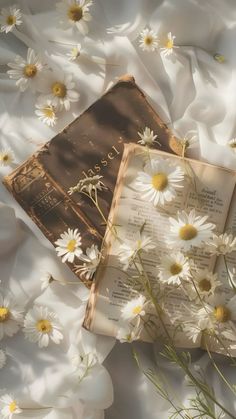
<point x="203" y="189"/>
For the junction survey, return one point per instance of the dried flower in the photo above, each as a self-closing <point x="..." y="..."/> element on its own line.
<point x="147" y="137"/>
<point x="88" y="184"/>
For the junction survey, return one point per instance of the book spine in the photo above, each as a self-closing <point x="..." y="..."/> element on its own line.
<point x="48" y="206"/>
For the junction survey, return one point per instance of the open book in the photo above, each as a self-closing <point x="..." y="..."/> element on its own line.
<point x="210" y="190"/>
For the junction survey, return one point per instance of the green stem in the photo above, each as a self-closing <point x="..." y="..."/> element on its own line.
<point x="180" y="361"/>
<point x="218" y="370"/>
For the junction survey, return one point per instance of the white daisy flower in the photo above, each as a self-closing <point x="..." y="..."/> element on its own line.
<point x="27" y="73"/>
<point x="11" y="316"/>
<point x="221" y="315"/>
<point x="220" y="58"/>
<point x="46" y="279"/>
<point x="127" y="251"/>
<point x="148" y="40"/>
<point x="147" y="137"/>
<point x="9" y="407"/>
<point x="3" y="358"/>
<point x="205" y="283"/>
<point x="222" y="244"/>
<point x="74" y="53"/>
<point x="192" y="321"/>
<point x="68" y="245"/>
<point x="41" y="326"/>
<point x="232" y="144"/>
<point x="75" y="14"/>
<point x="159" y="181"/>
<point x="10" y="18"/>
<point x="134" y="308"/>
<point x="189" y="230"/>
<point x="88" y="184"/>
<point x="91" y="261"/>
<point x="46" y="113"/>
<point x="217" y="316"/>
<point x="174" y="268"/>
<point x="168" y="45"/>
<point x="6" y="157"/>
<point x="189" y="141"/>
<point x="127" y="333"/>
<point x="221" y="309"/>
<point x="59" y="89"/>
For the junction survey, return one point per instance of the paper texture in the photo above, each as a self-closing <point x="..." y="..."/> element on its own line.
<point x="204" y="189"/>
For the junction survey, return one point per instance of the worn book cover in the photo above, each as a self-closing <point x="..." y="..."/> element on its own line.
<point x="90" y="145"/>
<point x="205" y="192"/>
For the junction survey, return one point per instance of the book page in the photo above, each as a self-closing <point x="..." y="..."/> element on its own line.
<point x="203" y="190"/>
<point x="223" y="270"/>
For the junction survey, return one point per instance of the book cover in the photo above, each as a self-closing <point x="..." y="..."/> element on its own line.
<point x="90" y="145"/>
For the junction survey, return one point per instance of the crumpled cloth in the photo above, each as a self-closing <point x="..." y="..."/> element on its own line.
<point x="191" y="92"/>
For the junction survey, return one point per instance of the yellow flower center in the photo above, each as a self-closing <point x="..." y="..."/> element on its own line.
<point x="5" y="157"/>
<point x="233" y="145"/>
<point x="159" y="181"/>
<point x="71" y="245"/>
<point x="44" y="326"/>
<point x="148" y="40"/>
<point x="176" y="268"/>
<point x="222" y="314"/>
<point x="11" y="20"/>
<point x="30" y="70"/>
<point x="75" y="13"/>
<point x="59" y="89"/>
<point x="204" y="284"/>
<point x="12" y="406"/>
<point x="4" y="314"/>
<point x="187" y="232"/>
<point x="169" y="44"/>
<point x="137" y="310"/>
<point x="49" y="112"/>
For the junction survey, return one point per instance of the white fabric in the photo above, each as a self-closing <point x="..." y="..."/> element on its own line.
<point x="190" y="92"/>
